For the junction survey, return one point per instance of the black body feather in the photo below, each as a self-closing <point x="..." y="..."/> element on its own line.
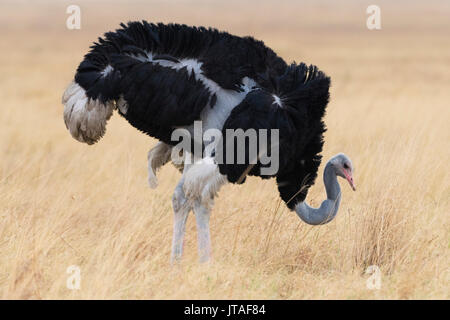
<point x="304" y="93"/>
<point x="161" y="98"/>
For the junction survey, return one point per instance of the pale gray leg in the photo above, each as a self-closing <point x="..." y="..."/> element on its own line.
<point x="202" y="213"/>
<point x="181" y="210"/>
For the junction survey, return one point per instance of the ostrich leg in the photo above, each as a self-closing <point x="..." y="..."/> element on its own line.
<point x="181" y="210"/>
<point x="200" y="183"/>
<point x="202" y="213"/>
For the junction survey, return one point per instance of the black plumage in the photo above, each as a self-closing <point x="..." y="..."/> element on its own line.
<point x="304" y="94"/>
<point x="161" y="98"/>
<point x="225" y="58"/>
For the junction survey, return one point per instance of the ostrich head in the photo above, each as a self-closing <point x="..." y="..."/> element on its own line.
<point x="343" y="168"/>
<point x="340" y="165"/>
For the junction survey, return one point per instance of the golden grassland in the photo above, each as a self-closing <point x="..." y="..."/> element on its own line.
<point x="63" y="203"/>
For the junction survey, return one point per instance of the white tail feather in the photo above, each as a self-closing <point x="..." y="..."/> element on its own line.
<point x="85" y="118"/>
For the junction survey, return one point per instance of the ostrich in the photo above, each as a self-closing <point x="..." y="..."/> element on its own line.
<point x="163" y="77"/>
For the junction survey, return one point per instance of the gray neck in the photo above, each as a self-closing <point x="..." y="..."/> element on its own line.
<point x="329" y="208"/>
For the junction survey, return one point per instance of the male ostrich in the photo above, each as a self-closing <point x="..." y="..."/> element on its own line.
<point x="164" y="77"/>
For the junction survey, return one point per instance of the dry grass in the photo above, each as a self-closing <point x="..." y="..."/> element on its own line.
<point x="64" y="203"/>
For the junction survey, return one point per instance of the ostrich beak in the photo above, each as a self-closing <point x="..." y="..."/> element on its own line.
<point x="349" y="177"/>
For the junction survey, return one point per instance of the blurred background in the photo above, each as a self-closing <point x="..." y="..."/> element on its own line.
<point x="63" y="203"/>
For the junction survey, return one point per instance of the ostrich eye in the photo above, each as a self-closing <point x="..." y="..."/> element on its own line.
<point x="346" y="166"/>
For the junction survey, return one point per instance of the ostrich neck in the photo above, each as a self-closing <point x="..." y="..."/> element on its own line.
<point x="329" y="207"/>
<point x="331" y="184"/>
